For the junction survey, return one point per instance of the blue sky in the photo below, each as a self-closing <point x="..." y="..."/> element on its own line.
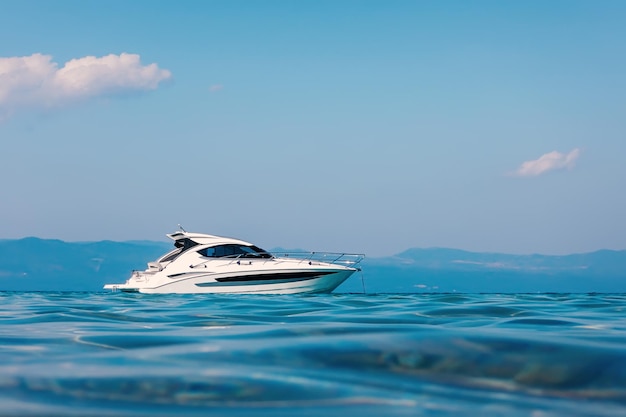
<point x="367" y="126"/>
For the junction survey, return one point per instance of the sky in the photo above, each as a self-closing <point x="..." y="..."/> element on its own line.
<point x="359" y="126"/>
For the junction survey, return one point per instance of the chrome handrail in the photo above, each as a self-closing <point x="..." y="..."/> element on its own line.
<point x="345" y="259"/>
<point x="334" y="258"/>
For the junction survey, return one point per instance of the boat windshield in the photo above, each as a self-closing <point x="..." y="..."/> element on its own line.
<point x="171" y="255"/>
<point x="181" y="246"/>
<point x="234" y="251"/>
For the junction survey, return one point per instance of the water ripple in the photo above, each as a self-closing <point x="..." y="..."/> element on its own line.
<point x="422" y="354"/>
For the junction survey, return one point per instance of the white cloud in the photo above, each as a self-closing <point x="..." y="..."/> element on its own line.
<point x="216" y="87"/>
<point x="548" y="162"/>
<point x="36" y="81"/>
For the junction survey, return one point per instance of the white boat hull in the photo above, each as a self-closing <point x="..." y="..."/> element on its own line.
<point x="204" y="285"/>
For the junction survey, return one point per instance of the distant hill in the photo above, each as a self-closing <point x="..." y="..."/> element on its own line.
<point x="33" y="264"/>
<point x="450" y="270"/>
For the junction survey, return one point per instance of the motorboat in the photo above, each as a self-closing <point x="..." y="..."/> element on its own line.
<point x="201" y="263"/>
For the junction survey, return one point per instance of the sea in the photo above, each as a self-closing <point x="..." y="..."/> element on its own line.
<point x="118" y="354"/>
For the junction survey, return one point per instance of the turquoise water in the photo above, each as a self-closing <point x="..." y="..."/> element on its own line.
<point x="407" y="355"/>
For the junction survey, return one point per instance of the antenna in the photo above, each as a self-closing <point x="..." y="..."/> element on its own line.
<point x="181" y="228"/>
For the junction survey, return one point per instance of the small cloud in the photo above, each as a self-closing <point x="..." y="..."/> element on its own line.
<point x="548" y="162"/>
<point x="216" y="87"/>
<point x="36" y="81"/>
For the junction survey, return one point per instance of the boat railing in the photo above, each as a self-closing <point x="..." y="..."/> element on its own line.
<point x="334" y="258"/>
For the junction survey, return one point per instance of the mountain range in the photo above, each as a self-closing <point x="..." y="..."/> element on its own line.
<point x="33" y="264"/>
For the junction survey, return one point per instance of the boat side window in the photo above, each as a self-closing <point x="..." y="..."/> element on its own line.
<point x="234" y="251"/>
<point x="208" y="252"/>
<point x="227" y="250"/>
<point x="221" y="251"/>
